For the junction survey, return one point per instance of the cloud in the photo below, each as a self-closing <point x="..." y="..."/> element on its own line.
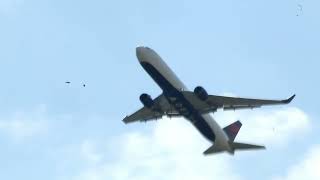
<point x="173" y="149"/>
<point x="24" y="125"/>
<point x="272" y="127"/>
<point x="89" y="152"/>
<point x="307" y="169"/>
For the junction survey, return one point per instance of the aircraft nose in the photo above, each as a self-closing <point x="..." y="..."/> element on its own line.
<point x="144" y="53"/>
<point x="139" y="49"/>
<point x="139" y="52"/>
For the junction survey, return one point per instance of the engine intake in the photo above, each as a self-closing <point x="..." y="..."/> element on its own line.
<point x="146" y="100"/>
<point x="201" y="93"/>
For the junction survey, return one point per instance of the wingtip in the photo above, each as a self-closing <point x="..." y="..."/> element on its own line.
<point x="263" y="148"/>
<point x="287" y="101"/>
<point x="125" y="120"/>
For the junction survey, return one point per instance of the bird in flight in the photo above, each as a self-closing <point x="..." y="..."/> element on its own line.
<point x="83" y="84"/>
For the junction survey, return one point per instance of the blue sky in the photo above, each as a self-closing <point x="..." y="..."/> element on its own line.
<point x="50" y="130"/>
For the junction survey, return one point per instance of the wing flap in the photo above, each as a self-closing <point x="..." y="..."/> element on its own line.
<point x="233" y="108"/>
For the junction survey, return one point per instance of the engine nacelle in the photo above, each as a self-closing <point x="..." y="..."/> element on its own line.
<point x="146" y="100"/>
<point x="201" y="93"/>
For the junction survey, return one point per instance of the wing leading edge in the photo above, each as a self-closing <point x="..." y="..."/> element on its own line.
<point x="233" y="103"/>
<point x="230" y="103"/>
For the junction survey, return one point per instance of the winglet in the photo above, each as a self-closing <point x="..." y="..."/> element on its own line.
<point x="287" y="101"/>
<point x="125" y="120"/>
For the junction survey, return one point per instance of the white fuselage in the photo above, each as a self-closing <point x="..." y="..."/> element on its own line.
<point x="172" y="86"/>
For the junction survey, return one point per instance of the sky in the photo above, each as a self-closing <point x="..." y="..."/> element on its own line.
<point x="57" y="131"/>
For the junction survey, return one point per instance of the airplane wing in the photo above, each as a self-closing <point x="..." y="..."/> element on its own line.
<point x="233" y="103"/>
<point x="230" y="103"/>
<point x="161" y="108"/>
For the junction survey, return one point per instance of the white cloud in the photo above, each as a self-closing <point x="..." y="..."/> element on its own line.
<point x="307" y="169"/>
<point x="25" y="124"/>
<point x="173" y="149"/>
<point x="271" y="127"/>
<point x="89" y="152"/>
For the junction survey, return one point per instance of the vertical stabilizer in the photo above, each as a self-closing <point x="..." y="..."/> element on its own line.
<point x="232" y="130"/>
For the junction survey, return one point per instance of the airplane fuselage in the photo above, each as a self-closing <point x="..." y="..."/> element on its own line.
<point x="172" y="88"/>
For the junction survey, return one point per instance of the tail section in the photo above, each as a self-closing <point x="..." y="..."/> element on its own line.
<point x="232" y="130"/>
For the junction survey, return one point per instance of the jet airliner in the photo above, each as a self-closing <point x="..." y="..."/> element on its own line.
<point x="195" y="106"/>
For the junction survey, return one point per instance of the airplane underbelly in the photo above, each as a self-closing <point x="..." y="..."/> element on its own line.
<point x="221" y="139"/>
<point x="205" y="129"/>
<point x="188" y="111"/>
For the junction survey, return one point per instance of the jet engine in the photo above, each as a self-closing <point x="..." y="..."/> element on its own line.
<point x="201" y="93"/>
<point x="146" y="100"/>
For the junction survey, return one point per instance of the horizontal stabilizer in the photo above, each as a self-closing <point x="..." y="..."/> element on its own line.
<point x="235" y="146"/>
<point x="242" y="146"/>
<point x="212" y="150"/>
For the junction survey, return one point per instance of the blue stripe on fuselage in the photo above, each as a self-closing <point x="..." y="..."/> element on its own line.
<point x="170" y="91"/>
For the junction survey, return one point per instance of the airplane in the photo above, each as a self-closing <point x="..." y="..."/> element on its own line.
<point x="195" y="106"/>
